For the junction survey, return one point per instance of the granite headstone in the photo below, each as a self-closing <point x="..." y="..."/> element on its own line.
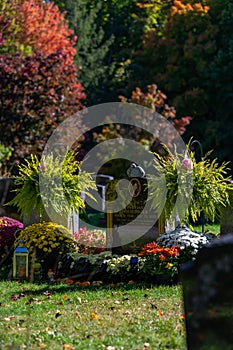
<point x="208" y="296"/>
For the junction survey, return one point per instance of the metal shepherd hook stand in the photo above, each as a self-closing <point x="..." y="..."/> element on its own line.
<point x="192" y="147"/>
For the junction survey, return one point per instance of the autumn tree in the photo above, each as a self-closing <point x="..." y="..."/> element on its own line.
<point x="38" y="78"/>
<point x="191" y="60"/>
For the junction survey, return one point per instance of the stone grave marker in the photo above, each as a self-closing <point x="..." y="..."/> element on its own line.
<point x="208" y="296"/>
<point x="134" y="225"/>
<point x="226" y="224"/>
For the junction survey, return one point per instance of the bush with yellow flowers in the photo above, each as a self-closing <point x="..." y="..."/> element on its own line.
<point x="48" y="241"/>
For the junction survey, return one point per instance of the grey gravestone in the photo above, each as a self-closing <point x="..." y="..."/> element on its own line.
<point x="226" y="224"/>
<point x="145" y="230"/>
<point x="208" y="296"/>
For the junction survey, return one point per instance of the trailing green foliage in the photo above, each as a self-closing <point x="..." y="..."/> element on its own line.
<point x="62" y="183"/>
<point x="195" y="187"/>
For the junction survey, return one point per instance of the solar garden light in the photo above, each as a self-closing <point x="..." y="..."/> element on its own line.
<point x="133" y="262"/>
<point x="20" y="261"/>
<point x="83" y="263"/>
<point x="103" y="266"/>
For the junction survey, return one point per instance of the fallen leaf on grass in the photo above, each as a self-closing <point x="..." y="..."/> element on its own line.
<point x="127" y="313"/>
<point x="58" y="313"/>
<point x="116" y="293"/>
<point x="97" y="283"/>
<point x="126" y="299"/>
<point x="79" y="300"/>
<point x="66" y="346"/>
<point x="160" y="313"/>
<point x="182" y="316"/>
<point x="85" y="284"/>
<point x="8" y="318"/>
<point x="16" y="297"/>
<point x="42" y="346"/>
<point x="49" y="331"/>
<point x="69" y="281"/>
<point x="48" y="293"/>
<point x="94" y="316"/>
<point x="153" y="306"/>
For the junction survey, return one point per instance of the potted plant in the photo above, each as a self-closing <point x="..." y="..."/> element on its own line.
<point x="57" y="197"/>
<point x="201" y="186"/>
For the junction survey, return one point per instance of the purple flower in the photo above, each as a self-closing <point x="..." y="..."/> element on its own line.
<point x="8" y="227"/>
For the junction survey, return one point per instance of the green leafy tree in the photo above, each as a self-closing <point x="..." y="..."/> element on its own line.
<point x="191" y="60"/>
<point x="92" y="46"/>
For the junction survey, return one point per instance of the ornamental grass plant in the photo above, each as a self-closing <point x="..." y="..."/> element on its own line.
<point x="192" y="187"/>
<point x="62" y="182"/>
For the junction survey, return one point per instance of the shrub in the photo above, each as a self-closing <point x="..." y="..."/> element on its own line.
<point x="49" y="241"/>
<point x="189" y="242"/>
<point x="8" y="227"/>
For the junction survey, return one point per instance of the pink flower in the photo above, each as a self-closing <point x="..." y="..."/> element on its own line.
<point x="42" y="167"/>
<point x="187" y="164"/>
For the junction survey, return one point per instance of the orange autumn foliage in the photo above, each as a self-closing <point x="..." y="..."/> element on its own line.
<point x="45" y="29"/>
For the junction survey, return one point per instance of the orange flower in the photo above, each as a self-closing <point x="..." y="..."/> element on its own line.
<point x="69" y="281"/>
<point x="162" y="257"/>
<point x="66" y="297"/>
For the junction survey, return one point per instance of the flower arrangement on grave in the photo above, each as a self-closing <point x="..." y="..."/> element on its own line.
<point x="8" y="227"/>
<point x="192" y="187"/>
<point x="119" y="265"/>
<point x="90" y="241"/>
<point x="189" y="242"/>
<point x="159" y="260"/>
<point x="59" y="195"/>
<point x="49" y="241"/>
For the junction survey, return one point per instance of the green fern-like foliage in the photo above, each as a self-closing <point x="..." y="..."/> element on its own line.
<point x="62" y="182"/>
<point x="192" y="187"/>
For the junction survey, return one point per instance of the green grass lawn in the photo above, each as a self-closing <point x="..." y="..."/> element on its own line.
<point x="113" y="317"/>
<point x="209" y="228"/>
